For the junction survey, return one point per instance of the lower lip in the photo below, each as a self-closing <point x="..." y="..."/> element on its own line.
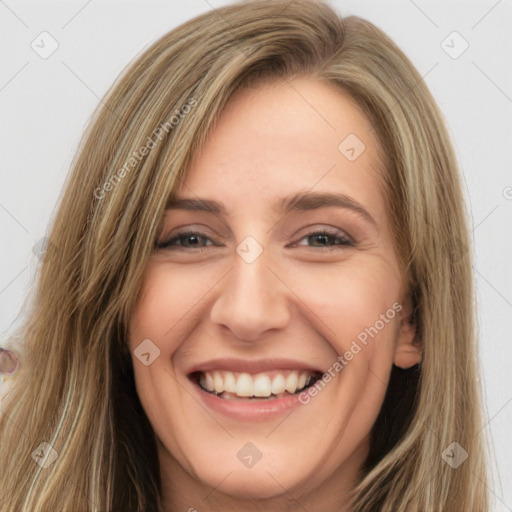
<point x="249" y="410"/>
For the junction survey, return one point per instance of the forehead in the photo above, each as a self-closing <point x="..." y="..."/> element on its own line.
<point x="286" y="136"/>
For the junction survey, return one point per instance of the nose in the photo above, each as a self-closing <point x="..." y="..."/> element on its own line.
<point x="252" y="300"/>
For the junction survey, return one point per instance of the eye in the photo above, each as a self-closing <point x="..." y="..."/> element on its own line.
<point x="195" y="240"/>
<point x="186" y="240"/>
<point x="326" y="238"/>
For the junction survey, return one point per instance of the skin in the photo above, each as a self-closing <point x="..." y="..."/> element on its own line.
<point x="8" y="362"/>
<point x="305" y="298"/>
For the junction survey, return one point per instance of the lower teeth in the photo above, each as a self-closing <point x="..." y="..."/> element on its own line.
<point x="232" y="396"/>
<point x="246" y="398"/>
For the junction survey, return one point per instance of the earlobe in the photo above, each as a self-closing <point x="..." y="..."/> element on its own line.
<point x="408" y="348"/>
<point x="407" y="356"/>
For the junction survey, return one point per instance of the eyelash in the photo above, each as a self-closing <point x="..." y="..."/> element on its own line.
<point x="345" y="241"/>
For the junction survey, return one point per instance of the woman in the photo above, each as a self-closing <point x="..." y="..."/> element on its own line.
<point x="190" y="350"/>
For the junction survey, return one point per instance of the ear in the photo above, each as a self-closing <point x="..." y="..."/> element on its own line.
<point x="407" y="349"/>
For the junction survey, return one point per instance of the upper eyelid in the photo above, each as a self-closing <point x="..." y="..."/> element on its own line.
<point x="184" y="230"/>
<point x="330" y="230"/>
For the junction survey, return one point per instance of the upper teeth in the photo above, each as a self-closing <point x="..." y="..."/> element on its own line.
<point x="260" y="384"/>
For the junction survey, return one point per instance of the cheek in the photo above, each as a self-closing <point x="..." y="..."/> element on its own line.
<point x="351" y="301"/>
<point x="357" y="310"/>
<point x="162" y="302"/>
<point x="166" y="305"/>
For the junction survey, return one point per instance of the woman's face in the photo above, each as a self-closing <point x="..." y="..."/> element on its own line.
<point x="242" y="300"/>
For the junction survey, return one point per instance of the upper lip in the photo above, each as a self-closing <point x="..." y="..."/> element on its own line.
<point x="252" y="366"/>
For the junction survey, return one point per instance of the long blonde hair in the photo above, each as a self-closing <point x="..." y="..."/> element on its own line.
<point x="75" y="390"/>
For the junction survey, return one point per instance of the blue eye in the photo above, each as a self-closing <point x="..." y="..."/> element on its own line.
<point x="196" y="240"/>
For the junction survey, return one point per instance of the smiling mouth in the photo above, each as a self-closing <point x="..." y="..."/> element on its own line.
<point x="260" y="386"/>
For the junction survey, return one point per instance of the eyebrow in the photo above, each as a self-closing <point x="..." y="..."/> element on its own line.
<point x="300" y="201"/>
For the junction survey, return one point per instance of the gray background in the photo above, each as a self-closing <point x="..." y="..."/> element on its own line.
<point x="46" y="102"/>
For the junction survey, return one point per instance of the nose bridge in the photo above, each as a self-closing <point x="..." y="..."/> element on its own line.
<point x="252" y="300"/>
